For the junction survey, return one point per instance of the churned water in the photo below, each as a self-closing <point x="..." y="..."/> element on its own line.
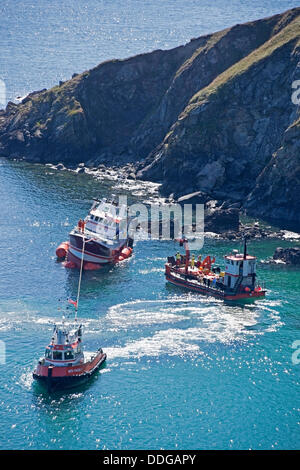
<point x="183" y="371"/>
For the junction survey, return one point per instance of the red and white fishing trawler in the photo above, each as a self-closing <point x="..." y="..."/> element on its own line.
<point x="104" y="233"/>
<point x="236" y="282"/>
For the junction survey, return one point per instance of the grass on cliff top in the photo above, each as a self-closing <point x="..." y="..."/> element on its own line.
<point x="58" y="93"/>
<point x="288" y="34"/>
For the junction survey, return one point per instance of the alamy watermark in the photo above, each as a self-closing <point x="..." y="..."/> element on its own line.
<point x="296" y="353"/>
<point x="158" y="222"/>
<point x="2" y="352"/>
<point x="2" y="94"/>
<point x="296" y="94"/>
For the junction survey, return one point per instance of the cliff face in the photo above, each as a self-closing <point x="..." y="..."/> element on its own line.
<point x="238" y="137"/>
<point x="95" y="115"/>
<point x="277" y="190"/>
<point x="214" y="116"/>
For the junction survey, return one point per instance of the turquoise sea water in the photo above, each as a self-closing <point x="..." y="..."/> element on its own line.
<point x="183" y="371"/>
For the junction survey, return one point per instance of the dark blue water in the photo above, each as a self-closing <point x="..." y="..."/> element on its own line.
<point x="45" y="41"/>
<point x="183" y="371"/>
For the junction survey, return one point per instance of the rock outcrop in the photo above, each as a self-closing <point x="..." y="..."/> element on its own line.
<point x="288" y="255"/>
<point x="213" y="117"/>
<point x="277" y="191"/>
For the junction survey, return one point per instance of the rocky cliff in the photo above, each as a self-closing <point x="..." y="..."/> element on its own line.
<point x="214" y="116"/>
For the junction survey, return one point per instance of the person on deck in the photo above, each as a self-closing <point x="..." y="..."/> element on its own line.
<point x="192" y="261"/>
<point x="83" y="225"/>
<point x="198" y="264"/>
<point x="178" y="257"/>
<point x="80" y="225"/>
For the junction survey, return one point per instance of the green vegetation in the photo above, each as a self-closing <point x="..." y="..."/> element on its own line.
<point x="289" y="34"/>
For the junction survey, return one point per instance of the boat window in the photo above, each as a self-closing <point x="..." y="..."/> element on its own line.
<point x="48" y="354"/>
<point x="92" y="217"/>
<point x="96" y="218"/>
<point x="69" y="355"/>
<point x="57" y="355"/>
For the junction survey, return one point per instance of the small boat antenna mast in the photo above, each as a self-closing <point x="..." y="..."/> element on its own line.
<point x="245" y="247"/>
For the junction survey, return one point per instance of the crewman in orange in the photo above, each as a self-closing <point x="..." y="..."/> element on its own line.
<point x="80" y="225"/>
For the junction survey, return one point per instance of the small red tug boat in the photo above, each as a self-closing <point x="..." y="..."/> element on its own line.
<point x="236" y="282"/>
<point x="65" y="364"/>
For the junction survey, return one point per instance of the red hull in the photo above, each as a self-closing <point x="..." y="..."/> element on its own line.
<point x="95" y="262"/>
<point x="69" y="371"/>
<point x="60" y="378"/>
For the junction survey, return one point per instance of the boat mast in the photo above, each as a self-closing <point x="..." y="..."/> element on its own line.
<point x="245" y="247"/>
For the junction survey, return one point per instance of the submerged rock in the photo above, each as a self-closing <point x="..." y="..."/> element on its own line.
<point x="220" y="220"/>
<point x="289" y="255"/>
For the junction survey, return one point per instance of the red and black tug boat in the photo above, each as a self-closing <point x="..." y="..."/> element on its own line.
<point x="65" y="364"/>
<point x="236" y="282"/>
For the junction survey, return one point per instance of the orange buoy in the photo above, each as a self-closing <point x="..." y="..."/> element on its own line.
<point x="121" y="258"/>
<point x="91" y="266"/>
<point x="62" y="249"/>
<point x="126" y="252"/>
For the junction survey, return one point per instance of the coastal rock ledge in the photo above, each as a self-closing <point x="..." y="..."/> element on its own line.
<point x="288" y="255"/>
<point x="214" y="117"/>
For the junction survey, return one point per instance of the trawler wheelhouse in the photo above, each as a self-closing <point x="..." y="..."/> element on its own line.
<point x="240" y="270"/>
<point x="105" y="218"/>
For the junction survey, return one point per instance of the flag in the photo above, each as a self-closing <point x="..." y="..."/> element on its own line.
<point x="73" y="302"/>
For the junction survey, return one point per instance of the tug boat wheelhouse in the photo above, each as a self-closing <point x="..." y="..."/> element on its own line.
<point x="65" y="365"/>
<point x="237" y="282"/>
<point x="104" y="232"/>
